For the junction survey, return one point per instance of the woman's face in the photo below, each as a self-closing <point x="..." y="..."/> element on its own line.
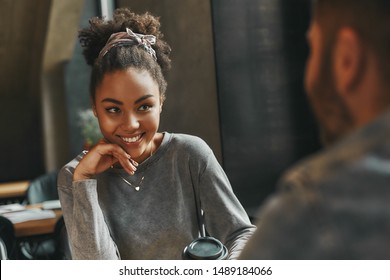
<point x="128" y="105"/>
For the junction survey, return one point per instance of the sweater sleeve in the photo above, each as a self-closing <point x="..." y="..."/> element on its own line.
<point x="88" y="232"/>
<point x="225" y="218"/>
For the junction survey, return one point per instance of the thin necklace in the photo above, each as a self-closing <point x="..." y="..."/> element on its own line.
<point x="137" y="187"/>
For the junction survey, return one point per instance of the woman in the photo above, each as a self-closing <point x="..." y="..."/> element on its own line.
<point x="132" y="196"/>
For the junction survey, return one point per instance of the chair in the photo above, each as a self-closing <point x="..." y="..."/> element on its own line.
<point x="8" y="248"/>
<point x="41" y="189"/>
<point x="63" y="251"/>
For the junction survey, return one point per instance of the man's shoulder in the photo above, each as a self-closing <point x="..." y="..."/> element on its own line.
<point x="354" y="158"/>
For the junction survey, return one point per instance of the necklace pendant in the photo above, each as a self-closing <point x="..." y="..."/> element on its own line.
<point x="137" y="188"/>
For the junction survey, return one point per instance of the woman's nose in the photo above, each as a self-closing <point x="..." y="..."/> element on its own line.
<point x="130" y="122"/>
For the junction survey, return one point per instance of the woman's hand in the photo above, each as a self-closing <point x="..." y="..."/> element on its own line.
<point x="100" y="158"/>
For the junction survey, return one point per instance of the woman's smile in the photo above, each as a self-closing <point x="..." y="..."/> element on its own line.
<point x="131" y="140"/>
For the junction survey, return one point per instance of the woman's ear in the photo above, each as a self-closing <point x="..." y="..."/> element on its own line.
<point x="93" y="107"/>
<point x="94" y="110"/>
<point x="162" y="99"/>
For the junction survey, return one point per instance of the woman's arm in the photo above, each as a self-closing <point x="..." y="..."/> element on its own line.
<point x="88" y="233"/>
<point x="225" y="218"/>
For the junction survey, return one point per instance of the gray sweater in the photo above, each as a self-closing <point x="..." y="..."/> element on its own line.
<point x="108" y="219"/>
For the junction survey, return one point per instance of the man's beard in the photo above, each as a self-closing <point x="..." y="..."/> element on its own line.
<point x="330" y="109"/>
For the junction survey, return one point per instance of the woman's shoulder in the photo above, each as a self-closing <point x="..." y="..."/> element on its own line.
<point x="190" y="149"/>
<point x="66" y="173"/>
<point x="189" y="142"/>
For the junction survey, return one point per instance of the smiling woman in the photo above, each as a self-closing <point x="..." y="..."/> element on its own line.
<point x="130" y="120"/>
<point x="138" y="192"/>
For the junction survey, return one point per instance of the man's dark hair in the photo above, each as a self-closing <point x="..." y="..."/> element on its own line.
<point x="369" y="18"/>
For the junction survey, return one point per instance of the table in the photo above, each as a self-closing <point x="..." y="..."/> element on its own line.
<point x="37" y="239"/>
<point x="13" y="189"/>
<point x="37" y="227"/>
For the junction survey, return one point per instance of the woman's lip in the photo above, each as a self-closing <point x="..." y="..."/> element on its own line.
<point x="131" y="140"/>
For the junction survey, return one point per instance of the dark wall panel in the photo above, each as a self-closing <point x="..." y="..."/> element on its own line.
<point x="266" y="124"/>
<point x="23" y="26"/>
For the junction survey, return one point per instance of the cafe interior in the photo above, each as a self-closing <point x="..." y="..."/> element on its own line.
<point x="236" y="82"/>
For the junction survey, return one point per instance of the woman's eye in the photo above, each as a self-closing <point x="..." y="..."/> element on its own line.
<point x="145" y="107"/>
<point x="113" y="110"/>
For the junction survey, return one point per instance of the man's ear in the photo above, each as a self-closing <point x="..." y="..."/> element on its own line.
<point x="348" y="58"/>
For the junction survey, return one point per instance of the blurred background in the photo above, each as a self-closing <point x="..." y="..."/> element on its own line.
<point x="236" y="82"/>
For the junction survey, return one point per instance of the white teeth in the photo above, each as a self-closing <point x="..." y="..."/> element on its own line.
<point x="132" y="139"/>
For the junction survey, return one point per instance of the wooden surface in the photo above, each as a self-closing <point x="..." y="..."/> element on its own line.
<point x="37" y="227"/>
<point x="13" y="189"/>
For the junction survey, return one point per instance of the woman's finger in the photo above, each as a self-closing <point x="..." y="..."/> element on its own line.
<point x="122" y="156"/>
<point x="103" y="156"/>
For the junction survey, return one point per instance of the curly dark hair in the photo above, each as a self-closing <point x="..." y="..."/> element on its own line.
<point x="94" y="38"/>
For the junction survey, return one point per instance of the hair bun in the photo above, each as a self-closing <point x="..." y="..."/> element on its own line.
<point x="94" y="38"/>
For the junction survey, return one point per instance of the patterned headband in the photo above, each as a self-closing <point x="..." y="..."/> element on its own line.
<point x="130" y="38"/>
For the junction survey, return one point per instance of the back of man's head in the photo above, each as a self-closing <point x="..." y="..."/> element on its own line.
<point x="369" y="18"/>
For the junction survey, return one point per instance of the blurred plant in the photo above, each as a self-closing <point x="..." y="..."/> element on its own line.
<point x="89" y="128"/>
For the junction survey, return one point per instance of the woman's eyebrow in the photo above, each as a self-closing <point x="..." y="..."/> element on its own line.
<point x="143" y="98"/>
<point x="111" y="100"/>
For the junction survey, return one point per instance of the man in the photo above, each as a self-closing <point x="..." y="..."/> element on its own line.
<point x="336" y="204"/>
